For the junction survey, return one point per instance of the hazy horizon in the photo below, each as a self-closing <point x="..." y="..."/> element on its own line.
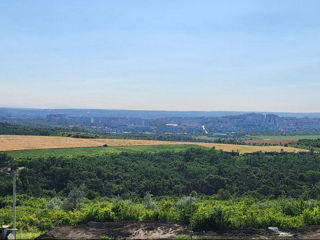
<point x="154" y="110"/>
<point x="252" y="56"/>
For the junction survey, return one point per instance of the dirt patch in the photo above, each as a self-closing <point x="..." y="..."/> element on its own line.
<point x="154" y="230"/>
<point x="117" y="230"/>
<point x="308" y="232"/>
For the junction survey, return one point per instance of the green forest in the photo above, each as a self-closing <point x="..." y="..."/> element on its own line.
<point x="229" y="190"/>
<point x="312" y="144"/>
<point x="132" y="174"/>
<point x="13" y="129"/>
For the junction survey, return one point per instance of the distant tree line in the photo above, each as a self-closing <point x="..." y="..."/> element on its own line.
<point x="10" y="129"/>
<point x="78" y="132"/>
<point x="13" y="129"/>
<point x="229" y="141"/>
<point x="284" y="133"/>
<point x="312" y="144"/>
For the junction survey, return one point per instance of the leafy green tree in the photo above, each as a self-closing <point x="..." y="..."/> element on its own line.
<point x="54" y="203"/>
<point x="74" y="199"/>
<point x="6" y="161"/>
<point x="148" y="201"/>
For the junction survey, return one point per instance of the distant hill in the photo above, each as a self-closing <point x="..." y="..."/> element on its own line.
<point x="42" y="113"/>
<point x="30" y="113"/>
<point x="214" y="124"/>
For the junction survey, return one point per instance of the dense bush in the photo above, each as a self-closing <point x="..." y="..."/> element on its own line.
<point x="214" y="218"/>
<point x="260" y="175"/>
<point x="208" y="214"/>
<point x="307" y="143"/>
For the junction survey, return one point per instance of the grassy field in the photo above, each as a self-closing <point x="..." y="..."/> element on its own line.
<point x="278" y="140"/>
<point x="206" y="138"/>
<point x="94" y="146"/>
<point x="297" y="137"/>
<point x="92" y="151"/>
<point x="271" y="141"/>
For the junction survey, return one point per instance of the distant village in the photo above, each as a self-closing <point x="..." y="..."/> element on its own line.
<point x="244" y="123"/>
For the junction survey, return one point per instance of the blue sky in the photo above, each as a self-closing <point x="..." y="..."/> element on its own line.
<point x="258" y="55"/>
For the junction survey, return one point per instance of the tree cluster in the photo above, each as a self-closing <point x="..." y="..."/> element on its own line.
<point x="173" y="173"/>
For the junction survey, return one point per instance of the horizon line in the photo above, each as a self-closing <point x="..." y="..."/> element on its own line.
<point x="156" y="110"/>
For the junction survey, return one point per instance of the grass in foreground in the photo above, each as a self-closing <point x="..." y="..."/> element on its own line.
<point x="28" y="235"/>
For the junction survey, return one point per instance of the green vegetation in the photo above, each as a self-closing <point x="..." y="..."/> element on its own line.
<point x="73" y="186"/>
<point x="206" y="171"/>
<point x="12" y="129"/>
<point x="33" y="214"/>
<point x="237" y="141"/>
<point x="312" y="144"/>
<point x="279" y="136"/>
<point x="47" y="129"/>
<point x="106" y="238"/>
<point x="94" y="151"/>
<point x="28" y="235"/>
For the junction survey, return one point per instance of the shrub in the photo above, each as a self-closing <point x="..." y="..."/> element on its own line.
<point x="167" y="211"/>
<point x="214" y="219"/>
<point x="183" y="205"/>
<point x="54" y="203"/>
<point x="74" y="199"/>
<point x="292" y="207"/>
<point x="223" y="194"/>
<point x="311" y="217"/>
<point x="106" y="214"/>
<point x="183" y="202"/>
<point x="92" y="194"/>
<point x="126" y="210"/>
<point x="106" y="238"/>
<point x="148" y="202"/>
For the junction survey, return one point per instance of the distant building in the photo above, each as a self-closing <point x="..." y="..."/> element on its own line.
<point x="272" y="119"/>
<point x="172" y="125"/>
<point x="57" y="118"/>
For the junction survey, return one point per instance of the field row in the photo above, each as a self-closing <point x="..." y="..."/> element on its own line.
<point x="18" y="142"/>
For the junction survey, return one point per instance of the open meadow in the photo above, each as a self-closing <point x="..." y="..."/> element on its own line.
<point x="277" y="137"/>
<point x="272" y="141"/>
<point x="279" y="140"/>
<point x="96" y="151"/>
<point x="22" y="142"/>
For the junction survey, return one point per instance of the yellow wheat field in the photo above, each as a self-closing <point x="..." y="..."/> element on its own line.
<point x="18" y="142"/>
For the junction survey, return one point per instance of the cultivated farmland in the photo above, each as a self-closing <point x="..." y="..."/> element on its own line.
<point x="271" y="141"/>
<point x="19" y="142"/>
